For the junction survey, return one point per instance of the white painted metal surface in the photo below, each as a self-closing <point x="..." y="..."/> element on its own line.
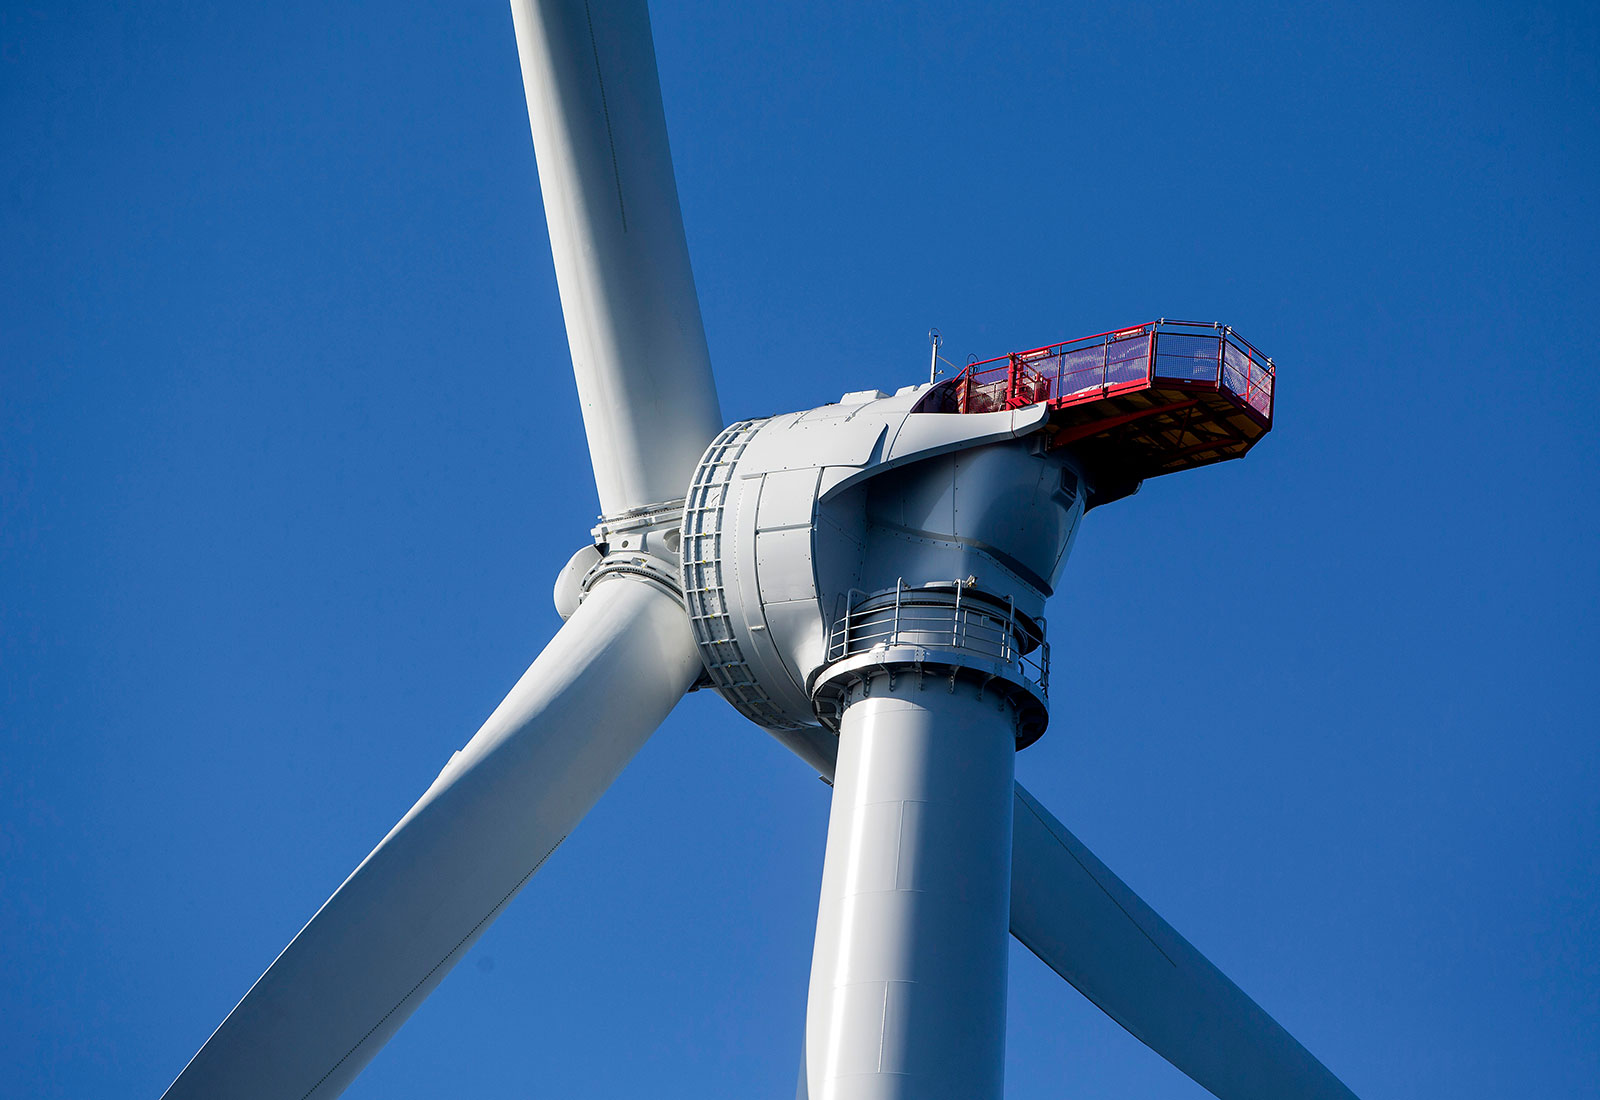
<point x="908" y="976"/>
<point x="496" y="812"/>
<point x="1087" y="925"/>
<point x="568" y="589"/>
<point x="782" y="521"/>
<point x="616" y="233"/>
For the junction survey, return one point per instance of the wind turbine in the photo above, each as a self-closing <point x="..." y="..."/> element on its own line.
<point x="867" y="581"/>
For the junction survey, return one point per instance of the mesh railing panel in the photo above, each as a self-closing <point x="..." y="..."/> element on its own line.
<point x="1235" y="369"/>
<point x="1247" y="377"/>
<point x="1190" y="358"/>
<point x="1260" y="395"/>
<point x="1127" y="360"/>
<point x="1078" y="370"/>
<point x="1069" y="371"/>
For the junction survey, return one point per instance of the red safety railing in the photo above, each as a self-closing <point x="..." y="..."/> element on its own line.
<point x="1192" y="354"/>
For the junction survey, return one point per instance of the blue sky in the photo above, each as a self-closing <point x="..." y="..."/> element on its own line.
<point x="290" y="455"/>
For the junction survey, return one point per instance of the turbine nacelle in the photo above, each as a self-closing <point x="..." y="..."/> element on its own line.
<point x="808" y="538"/>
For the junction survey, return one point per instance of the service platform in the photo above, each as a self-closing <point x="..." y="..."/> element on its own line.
<point x="1137" y="402"/>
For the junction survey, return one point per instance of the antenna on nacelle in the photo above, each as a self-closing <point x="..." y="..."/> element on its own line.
<point x="933" y="362"/>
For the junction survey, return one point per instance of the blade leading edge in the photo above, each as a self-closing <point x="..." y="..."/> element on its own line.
<point x="1086" y="925"/>
<point x="616" y="234"/>
<point x="496" y="812"/>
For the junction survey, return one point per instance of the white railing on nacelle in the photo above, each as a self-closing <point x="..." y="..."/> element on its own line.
<point x="940" y="618"/>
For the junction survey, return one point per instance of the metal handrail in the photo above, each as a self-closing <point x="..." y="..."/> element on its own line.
<point x="978" y="626"/>
<point x="1025" y="377"/>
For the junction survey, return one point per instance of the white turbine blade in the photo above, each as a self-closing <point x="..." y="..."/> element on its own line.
<point x="616" y="232"/>
<point x="1085" y="923"/>
<point x="496" y="812"/>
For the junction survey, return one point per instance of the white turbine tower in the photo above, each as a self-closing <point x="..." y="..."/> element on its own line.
<point x="865" y="580"/>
